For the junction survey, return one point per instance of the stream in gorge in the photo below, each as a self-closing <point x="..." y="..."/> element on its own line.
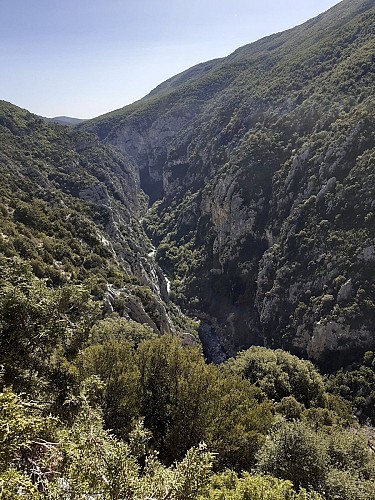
<point x="212" y="349"/>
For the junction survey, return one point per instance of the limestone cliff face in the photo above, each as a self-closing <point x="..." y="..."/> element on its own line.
<point x="261" y="169"/>
<point x="316" y="283"/>
<point x="148" y="149"/>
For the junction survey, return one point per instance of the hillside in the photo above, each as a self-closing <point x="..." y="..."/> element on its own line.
<point x="258" y="192"/>
<point x="258" y="167"/>
<point x="70" y="227"/>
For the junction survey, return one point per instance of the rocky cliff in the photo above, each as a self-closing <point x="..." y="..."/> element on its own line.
<point x="258" y="168"/>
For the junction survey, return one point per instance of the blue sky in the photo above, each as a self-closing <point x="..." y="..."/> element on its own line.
<point x="83" y="58"/>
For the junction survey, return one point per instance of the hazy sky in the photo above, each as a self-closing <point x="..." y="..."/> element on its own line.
<point x="83" y="58"/>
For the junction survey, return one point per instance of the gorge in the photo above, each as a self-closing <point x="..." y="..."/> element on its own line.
<point x="187" y="285"/>
<point x="254" y="166"/>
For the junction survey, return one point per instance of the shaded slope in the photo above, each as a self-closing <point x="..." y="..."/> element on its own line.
<point x="263" y="220"/>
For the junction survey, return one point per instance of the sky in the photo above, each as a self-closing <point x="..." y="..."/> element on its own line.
<point x="83" y="58"/>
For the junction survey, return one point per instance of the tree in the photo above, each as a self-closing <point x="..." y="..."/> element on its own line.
<point x="228" y="486"/>
<point x="280" y="374"/>
<point x="113" y="362"/>
<point x="185" y="401"/>
<point x="23" y="433"/>
<point x="35" y="321"/>
<point x="294" y="452"/>
<point x="95" y="463"/>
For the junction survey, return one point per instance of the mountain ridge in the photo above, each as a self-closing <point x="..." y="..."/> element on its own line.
<point x="249" y="121"/>
<point x="65" y="120"/>
<point x="346" y="8"/>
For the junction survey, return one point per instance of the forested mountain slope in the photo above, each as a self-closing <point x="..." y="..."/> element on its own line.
<point x="259" y="167"/>
<point x="72" y="248"/>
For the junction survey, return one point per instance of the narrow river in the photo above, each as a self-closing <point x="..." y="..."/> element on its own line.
<point x="212" y="349"/>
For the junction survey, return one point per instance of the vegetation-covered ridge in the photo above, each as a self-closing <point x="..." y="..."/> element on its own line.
<point x="71" y="243"/>
<point x="93" y="403"/>
<point x="255" y="166"/>
<point x="259" y="168"/>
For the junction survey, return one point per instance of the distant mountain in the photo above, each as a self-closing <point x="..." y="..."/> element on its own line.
<point x="259" y="170"/>
<point x="65" y="120"/>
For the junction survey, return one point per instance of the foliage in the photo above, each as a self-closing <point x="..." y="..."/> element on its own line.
<point x="182" y="400"/>
<point x="94" y="463"/>
<point x="228" y="486"/>
<point x="14" y="484"/>
<point x="113" y="364"/>
<point x="357" y="385"/>
<point x="279" y="375"/>
<point x="294" y="452"/>
<point x="19" y="427"/>
<point x="317" y="459"/>
<point x="23" y="434"/>
<point x="120" y="329"/>
<point x="39" y="328"/>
